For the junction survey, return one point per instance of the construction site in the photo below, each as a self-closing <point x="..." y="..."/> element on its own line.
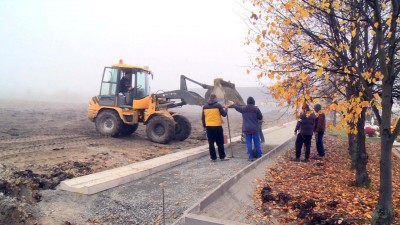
<point x="41" y="164"/>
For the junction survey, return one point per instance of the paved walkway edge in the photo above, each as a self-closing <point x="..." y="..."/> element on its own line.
<point x="191" y="217"/>
<point x="97" y="182"/>
<point x="194" y="219"/>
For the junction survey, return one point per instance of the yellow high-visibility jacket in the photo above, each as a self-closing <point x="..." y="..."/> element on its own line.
<point x="212" y="112"/>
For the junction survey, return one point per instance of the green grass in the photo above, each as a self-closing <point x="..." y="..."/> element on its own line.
<point x="373" y="139"/>
<point x="342" y="135"/>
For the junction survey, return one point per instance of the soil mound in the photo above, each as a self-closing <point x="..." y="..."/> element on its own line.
<point x="14" y="212"/>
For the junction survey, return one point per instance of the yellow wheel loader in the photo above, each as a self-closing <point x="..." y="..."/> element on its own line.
<point x="125" y="101"/>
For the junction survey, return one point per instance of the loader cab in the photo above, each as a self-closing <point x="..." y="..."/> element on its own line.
<point x="122" y="84"/>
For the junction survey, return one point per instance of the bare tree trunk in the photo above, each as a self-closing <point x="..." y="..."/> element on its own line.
<point x="383" y="213"/>
<point x="361" y="156"/>
<point x="358" y="153"/>
<point x="351" y="138"/>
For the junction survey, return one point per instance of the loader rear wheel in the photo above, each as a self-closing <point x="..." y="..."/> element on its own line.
<point x="108" y="123"/>
<point x="160" y="129"/>
<point x="183" y="128"/>
<point x="128" y="129"/>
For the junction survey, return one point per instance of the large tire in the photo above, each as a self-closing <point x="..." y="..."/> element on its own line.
<point x="128" y="129"/>
<point x="160" y="129"/>
<point x="183" y="128"/>
<point x="108" y="123"/>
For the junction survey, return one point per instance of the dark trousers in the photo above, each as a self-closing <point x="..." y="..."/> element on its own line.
<point x="216" y="135"/>
<point x="300" y="140"/>
<point x="320" y="143"/>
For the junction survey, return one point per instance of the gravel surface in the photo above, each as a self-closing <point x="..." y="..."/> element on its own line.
<point x="140" y="202"/>
<point x="60" y="140"/>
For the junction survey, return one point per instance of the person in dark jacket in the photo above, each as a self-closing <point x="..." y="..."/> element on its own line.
<point x="212" y="122"/>
<point x="251" y="115"/>
<point x="305" y="125"/>
<point x="125" y="84"/>
<point x="319" y="129"/>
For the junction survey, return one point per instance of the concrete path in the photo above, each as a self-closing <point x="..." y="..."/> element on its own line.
<point x="230" y="202"/>
<point x="196" y="192"/>
<point x="97" y="182"/>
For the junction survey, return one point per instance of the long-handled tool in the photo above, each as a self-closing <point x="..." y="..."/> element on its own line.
<point x="220" y="91"/>
<point x="230" y="137"/>
<point x="223" y="90"/>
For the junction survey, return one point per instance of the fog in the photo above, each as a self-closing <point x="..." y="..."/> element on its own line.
<point x="57" y="49"/>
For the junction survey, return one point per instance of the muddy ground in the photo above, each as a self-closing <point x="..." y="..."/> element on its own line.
<point x="42" y="144"/>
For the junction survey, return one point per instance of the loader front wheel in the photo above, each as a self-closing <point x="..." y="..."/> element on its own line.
<point x="183" y="128"/>
<point x="160" y="129"/>
<point x="108" y="123"/>
<point x="128" y="129"/>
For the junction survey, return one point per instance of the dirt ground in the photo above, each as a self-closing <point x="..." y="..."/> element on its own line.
<point x="42" y="144"/>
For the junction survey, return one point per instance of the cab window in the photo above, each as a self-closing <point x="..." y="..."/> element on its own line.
<point x="109" y="83"/>
<point x="142" y="84"/>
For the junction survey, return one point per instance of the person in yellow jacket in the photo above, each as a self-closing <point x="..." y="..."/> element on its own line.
<point x="212" y="122"/>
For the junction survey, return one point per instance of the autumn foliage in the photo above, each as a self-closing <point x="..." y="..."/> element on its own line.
<point x="321" y="191"/>
<point x="319" y="52"/>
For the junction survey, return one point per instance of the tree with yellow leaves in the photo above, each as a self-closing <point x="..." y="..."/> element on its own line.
<point x="344" y="51"/>
<point x="313" y="60"/>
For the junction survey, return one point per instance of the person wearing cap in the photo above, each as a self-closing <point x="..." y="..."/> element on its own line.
<point x="212" y="122"/>
<point x="305" y="125"/>
<point x="251" y="115"/>
<point x="319" y="129"/>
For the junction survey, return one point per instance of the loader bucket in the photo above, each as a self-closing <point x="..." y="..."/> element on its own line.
<point x="225" y="91"/>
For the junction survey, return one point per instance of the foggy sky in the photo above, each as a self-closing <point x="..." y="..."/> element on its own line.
<point x="57" y="49"/>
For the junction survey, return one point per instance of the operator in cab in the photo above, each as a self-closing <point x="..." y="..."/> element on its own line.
<point x="125" y="84"/>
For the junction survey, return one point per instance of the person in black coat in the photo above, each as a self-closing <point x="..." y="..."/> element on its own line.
<point x="305" y="126"/>
<point x="319" y="129"/>
<point x="251" y="115"/>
